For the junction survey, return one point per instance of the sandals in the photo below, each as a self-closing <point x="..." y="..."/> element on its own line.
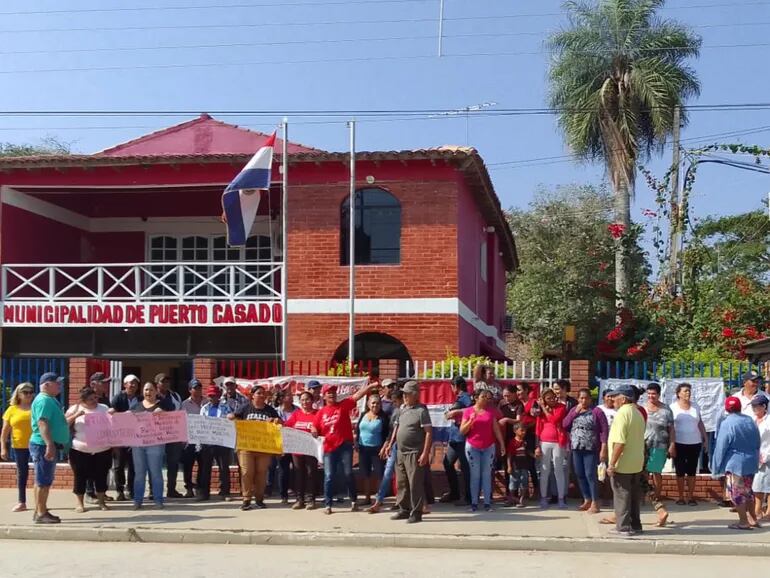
<point x="737" y="526"/>
<point x="681" y="503"/>
<point x="692" y="503"/>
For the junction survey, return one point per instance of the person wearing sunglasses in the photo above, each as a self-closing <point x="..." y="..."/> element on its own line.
<point x="17" y="427"/>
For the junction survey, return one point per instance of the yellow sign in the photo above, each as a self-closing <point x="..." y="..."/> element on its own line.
<point x="258" y="436"/>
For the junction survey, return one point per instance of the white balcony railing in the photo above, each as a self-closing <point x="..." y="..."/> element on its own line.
<point x="142" y="282"/>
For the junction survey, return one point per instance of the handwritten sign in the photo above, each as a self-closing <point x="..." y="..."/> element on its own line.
<point x="258" y="436"/>
<point x="135" y="429"/>
<point x="214" y="431"/>
<point x="301" y="442"/>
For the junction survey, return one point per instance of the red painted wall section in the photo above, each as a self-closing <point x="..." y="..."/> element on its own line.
<point x="472" y="289"/>
<point x="125" y="247"/>
<point x="30" y="238"/>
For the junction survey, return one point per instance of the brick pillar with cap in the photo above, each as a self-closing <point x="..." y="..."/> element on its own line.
<point x="204" y="369"/>
<point x="580" y="373"/>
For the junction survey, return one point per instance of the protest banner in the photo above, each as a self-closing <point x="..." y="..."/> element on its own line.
<point x="258" y="436"/>
<point x="214" y="431"/>
<point x="136" y="429"/>
<point x="296" y="384"/>
<point x="301" y="442"/>
<point x="708" y="393"/>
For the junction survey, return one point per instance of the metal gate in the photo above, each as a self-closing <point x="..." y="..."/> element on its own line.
<point x="16" y="370"/>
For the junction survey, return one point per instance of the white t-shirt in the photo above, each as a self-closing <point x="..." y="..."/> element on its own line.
<point x="79" y="427"/>
<point x="686" y="424"/>
<point x="746" y="402"/>
<point x="609" y="414"/>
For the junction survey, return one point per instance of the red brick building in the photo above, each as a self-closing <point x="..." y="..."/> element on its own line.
<point x="121" y="255"/>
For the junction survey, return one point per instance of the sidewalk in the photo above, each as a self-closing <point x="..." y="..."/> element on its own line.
<point x="701" y="529"/>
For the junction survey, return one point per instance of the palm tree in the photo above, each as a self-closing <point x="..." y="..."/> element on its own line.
<point x="618" y="71"/>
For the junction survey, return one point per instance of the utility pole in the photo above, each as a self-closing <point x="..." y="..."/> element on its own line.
<point x="675" y="234"/>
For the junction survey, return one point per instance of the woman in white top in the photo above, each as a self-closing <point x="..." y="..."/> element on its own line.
<point x="690" y="436"/>
<point x="87" y="462"/>
<point x="761" y="484"/>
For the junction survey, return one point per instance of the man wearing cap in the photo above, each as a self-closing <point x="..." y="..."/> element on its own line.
<point x="232" y="397"/>
<point x="387" y="388"/>
<point x="190" y="454"/>
<point x="170" y="401"/>
<point x="214" y="407"/>
<point x="414" y="437"/>
<point x="100" y="384"/>
<point x="736" y="455"/>
<point x="751" y="384"/>
<point x="626" y="461"/>
<point x="125" y="401"/>
<point x="50" y="433"/>
<point x="333" y="423"/>
<point x="314" y="387"/>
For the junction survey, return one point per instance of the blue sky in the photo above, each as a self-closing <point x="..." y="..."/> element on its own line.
<point x="403" y="72"/>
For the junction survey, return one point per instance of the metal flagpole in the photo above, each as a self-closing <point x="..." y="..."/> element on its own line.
<point x="284" y="238"/>
<point x="441" y="28"/>
<point x="352" y="246"/>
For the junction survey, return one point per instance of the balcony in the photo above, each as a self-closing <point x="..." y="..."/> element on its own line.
<point x="142" y="294"/>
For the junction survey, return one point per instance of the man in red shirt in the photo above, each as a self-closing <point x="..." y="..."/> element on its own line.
<point x="333" y="423"/>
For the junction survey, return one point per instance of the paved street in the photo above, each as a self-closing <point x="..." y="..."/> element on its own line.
<point x="78" y="559"/>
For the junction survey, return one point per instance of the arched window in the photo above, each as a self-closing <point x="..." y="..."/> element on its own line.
<point x="378" y="228"/>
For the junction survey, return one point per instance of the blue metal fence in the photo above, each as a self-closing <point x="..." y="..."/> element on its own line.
<point x="16" y="370"/>
<point x="732" y="373"/>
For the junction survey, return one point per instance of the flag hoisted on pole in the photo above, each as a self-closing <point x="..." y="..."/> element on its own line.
<point x="284" y="238"/>
<point x="352" y="247"/>
<point x="241" y="198"/>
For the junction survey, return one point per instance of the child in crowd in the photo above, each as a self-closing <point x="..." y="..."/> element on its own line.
<point x="520" y="457"/>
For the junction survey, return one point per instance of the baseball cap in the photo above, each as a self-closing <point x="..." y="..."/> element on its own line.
<point x="160" y="377"/>
<point x="50" y="376"/>
<point x="312" y="384"/>
<point x="229" y="380"/>
<point x="213" y="391"/>
<point x="130" y="377"/>
<point x="388" y="382"/>
<point x="752" y="376"/>
<point x="760" y="399"/>
<point x="411" y="387"/>
<point x="99" y="376"/>
<point x="194" y="383"/>
<point x="329" y="387"/>
<point x="625" y="390"/>
<point x="732" y="404"/>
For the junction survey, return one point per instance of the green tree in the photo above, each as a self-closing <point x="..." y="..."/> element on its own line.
<point x="46" y="146"/>
<point x="617" y="73"/>
<point x="567" y="267"/>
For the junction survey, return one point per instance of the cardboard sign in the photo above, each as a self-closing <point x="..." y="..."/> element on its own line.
<point x="135" y="429"/>
<point x="301" y="442"/>
<point x="214" y="431"/>
<point x="258" y="436"/>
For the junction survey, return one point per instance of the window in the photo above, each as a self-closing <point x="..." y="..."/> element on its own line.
<point x="378" y="228"/>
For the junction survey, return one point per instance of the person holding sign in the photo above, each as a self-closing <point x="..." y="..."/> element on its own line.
<point x="148" y="459"/>
<point x="254" y="464"/>
<point x="333" y="423"/>
<point x="305" y="467"/>
<point x="215" y="407"/>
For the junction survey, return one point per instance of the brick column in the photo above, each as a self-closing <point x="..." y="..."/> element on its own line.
<point x="204" y="369"/>
<point x="579" y="373"/>
<point x="77" y="378"/>
<point x="389" y="369"/>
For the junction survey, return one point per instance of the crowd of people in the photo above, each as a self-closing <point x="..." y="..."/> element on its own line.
<point x="535" y="437"/>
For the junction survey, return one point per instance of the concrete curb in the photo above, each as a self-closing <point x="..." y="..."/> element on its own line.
<point x="378" y="540"/>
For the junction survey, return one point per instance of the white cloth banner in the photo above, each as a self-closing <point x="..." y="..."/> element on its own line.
<point x="213" y="431"/>
<point x="346" y="386"/>
<point x="300" y="442"/>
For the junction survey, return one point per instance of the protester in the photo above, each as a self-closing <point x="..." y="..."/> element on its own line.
<point x="511" y="409"/>
<point x="372" y="431"/>
<point x="529" y="419"/>
<point x="413" y="435"/>
<point x="170" y="401"/>
<point x="190" y="453"/>
<point x="314" y="387"/>
<point x="626" y="461"/>
<point x="214" y="407"/>
<point x="520" y="454"/>
<point x="305" y="467"/>
<point x="751" y="388"/>
<point x="122" y="460"/>
<point x="588" y="431"/>
<point x="389" y="454"/>
<point x="386" y="395"/>
<point x="481" y="429"/>
<point x="100" y="382"/>
<point x="690" y="436"/>
<point x="333" y="423"/>
<point x="285" y="408"/>
<point x="17" y="427"/>
<point x="455" y="450"/>
<point x="608" y="407"/>
<point x="50" y="434"/>
<point x="736" y="455"/>
<point x="561" y="388"/>
<point x="88" y="463"/>
<point x="761" y="484"/>
<point x="233" y="398"/>
<point x="552" y="446"/>
<point x="254" y="465"/>
<point x="659" y="437"/>
<point x="148" y="460"/>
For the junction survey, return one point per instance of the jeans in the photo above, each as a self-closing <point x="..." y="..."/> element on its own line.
<point x="553" y="461"/>
<point x="45" y="471"/>
<point x="122" y="461"/>
<point x="173" y="453"/>
<point x="21" y="456"/>
<point x="455" y="451"/>
<point x="480" y="463"/>
<point x="208" y="455"/>
<point x="305" y="477"/>
<point x="189" y="457"/>
<point x="148" y="460"/>
<point x="284" y="475"/>
<point x="585" y="463"/>
<point x="386" y="485"/>
<point x="342" y="456"/>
